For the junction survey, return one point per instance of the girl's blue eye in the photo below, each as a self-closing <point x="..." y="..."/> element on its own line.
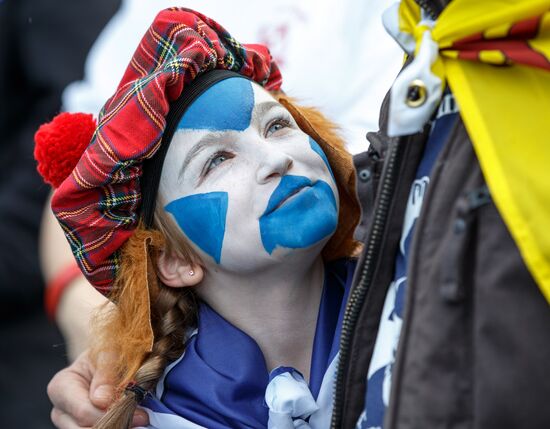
<point x="217" y="160"/>
<point x="277" y="126"/>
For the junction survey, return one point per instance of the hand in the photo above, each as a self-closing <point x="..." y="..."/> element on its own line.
<point x="80" y="395"/>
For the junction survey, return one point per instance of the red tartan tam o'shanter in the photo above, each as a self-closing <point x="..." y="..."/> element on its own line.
<point x="98" y="204"/>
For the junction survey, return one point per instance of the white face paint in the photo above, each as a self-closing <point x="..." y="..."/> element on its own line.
<point x="250" y="195"/>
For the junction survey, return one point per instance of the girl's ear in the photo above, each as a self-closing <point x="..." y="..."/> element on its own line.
<point x="175" y="272"/>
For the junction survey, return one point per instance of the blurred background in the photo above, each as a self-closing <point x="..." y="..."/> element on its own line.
<point x="43" y="46"/>
<point x="69" y="55"/>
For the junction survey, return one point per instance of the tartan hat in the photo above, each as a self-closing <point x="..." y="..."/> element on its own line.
<point x="99" y="203"/>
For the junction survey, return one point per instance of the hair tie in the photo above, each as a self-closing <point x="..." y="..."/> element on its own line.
<point x="137" y="390"/>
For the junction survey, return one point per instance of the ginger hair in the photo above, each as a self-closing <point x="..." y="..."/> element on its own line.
<point x="147" y="327"/>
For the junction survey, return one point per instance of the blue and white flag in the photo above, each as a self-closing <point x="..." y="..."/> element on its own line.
<point x="221" y="380"/>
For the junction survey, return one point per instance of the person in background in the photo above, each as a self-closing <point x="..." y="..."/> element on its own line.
<point x="43" y="47"/>
<point x="295" y="32"/>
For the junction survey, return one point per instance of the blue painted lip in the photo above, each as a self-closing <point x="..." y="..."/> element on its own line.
<point x="299" y="214"/>
<point x="285" y="190"/>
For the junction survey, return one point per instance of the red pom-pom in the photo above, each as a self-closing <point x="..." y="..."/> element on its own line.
<point x="60" y="144"/>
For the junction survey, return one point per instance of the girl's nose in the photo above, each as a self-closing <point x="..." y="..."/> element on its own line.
<point x="272" y="163"/>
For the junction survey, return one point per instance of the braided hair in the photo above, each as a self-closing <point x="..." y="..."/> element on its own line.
<point x="122" y="329"/>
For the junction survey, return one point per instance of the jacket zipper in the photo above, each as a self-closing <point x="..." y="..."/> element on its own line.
<point x="359" y="293"/>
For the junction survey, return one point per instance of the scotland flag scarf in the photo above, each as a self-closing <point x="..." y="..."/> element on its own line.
<point x="221" y="380"/>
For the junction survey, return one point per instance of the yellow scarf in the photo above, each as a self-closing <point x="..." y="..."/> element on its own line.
<point x="505" y="108"/>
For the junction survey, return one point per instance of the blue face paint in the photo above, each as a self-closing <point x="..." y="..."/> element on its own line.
<point x="227" y="105"/>
<point x="308" y="218"/>
<point x="289" y="185"/>
<point x="202" y="218"/>
<point x="317" y="149"/>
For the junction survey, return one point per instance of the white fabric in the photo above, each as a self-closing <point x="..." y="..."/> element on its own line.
<point x="404" y="119"/>
<point x="168" y="421"/>
<point x="293" y="398"/>
<point x="335" y="56"/>
<point x="344" y="63"/>
<point x="288" y="397"/>
<point x="390" y="20"/>
<point x="322" y="417"/>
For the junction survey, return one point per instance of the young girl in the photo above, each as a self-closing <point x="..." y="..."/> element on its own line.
<point x="216" y="215"/>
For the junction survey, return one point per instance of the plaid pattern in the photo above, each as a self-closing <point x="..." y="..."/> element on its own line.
<point x="98" y="204"/>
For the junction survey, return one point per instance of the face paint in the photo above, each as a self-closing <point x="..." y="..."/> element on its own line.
<point x="236" y="140"/>
<point x="317" y="149"/>
<point x="299" y="214"/>
<point x="202" y="218"/>
<point x="225" y="106"/>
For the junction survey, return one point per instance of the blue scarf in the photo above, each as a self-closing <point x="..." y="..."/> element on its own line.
<point x="221" y="380"/>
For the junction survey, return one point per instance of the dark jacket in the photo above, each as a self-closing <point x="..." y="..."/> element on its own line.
<point x="43" y="46"/>
<point x="474" y="350"/>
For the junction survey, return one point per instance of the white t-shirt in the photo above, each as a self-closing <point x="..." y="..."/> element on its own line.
<point x="334" y="56"/>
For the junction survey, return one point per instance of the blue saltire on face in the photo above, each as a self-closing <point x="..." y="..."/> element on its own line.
<point x="227" y="105"/>
<point x="243" y="179"/>
<point x="284" y="215"/>
<point x="280" y="223"/>
<point x="317" y="149"/>
<point x="202" y="218"/>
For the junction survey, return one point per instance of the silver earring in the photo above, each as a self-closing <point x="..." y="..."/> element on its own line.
<point x="191" y="273"/>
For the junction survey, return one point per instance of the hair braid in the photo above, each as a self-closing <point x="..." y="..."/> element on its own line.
<point x="173" y="312"/>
